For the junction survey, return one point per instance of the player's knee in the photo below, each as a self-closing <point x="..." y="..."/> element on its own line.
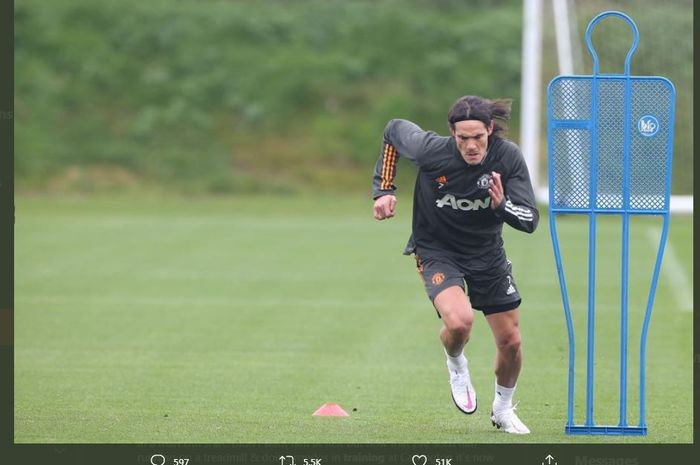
<point x="460" y="326"/>
<point x="509" y="344"/>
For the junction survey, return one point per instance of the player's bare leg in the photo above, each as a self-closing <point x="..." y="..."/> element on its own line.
<point x="457" y="317"/>
<point x="509" y="357"/>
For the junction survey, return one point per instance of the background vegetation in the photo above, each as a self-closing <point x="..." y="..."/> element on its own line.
<point x="239" y="96"/>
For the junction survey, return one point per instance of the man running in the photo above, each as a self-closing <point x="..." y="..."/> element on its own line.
<point x="467" y="186"/>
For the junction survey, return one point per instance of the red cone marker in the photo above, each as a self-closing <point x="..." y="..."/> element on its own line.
<point x="330" y="410"/>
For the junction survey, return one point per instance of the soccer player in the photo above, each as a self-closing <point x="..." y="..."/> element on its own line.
<point x="467" y="186"/>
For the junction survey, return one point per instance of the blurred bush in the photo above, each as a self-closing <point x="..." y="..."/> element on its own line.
<point x="230" y="96"/>
<point x="225" y="96"/>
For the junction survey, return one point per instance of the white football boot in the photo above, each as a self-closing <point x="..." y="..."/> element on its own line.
<point x="507" y="421"/>
<point x="463" y="393"/>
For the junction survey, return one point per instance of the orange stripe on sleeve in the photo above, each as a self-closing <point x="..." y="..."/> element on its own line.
<point x="388" y="165"/>
<point x="385" y="156"/>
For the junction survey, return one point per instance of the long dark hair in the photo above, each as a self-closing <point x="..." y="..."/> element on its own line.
<point x="471" y="107"/>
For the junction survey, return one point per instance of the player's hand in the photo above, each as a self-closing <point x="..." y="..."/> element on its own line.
<point x="495" y="190"/>
<point x="384" y="207"/>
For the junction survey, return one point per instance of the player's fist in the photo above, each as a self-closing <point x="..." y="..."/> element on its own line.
<point x="384" y="207"/>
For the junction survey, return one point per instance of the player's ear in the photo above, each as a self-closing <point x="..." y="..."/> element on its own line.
<point x="490" y="127"/>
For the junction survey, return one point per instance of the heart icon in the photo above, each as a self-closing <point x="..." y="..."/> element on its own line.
<point x="419" y="459"/>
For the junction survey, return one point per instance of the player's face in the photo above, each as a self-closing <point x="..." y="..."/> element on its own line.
<point x="472" y="138"/>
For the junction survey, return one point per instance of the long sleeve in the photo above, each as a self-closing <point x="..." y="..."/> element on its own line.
<point x="518" y="208"/>
<point x="405" y="139"/>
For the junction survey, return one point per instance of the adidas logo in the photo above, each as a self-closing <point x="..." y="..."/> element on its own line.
<point x="511" y="288"/>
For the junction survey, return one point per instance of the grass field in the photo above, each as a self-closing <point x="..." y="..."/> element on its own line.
<point x="219" y="320"/>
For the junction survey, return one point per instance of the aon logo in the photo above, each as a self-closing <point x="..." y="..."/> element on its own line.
<point x="463" y="204"/>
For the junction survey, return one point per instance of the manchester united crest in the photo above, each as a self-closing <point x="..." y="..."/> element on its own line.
<point x="438" y="278"/>
<point x="484" y="181"/>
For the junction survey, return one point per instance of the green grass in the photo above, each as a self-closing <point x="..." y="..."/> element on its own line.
<point x="230" y="320"/>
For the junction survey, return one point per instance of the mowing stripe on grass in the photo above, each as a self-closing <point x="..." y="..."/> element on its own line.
<point x="208" y="302"/>
<point x="672" y="269"/>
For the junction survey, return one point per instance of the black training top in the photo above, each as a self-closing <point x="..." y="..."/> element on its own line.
<point x="452" y="211"/>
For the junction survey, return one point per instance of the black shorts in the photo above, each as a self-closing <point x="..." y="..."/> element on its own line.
<point x="490" y="284"/>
